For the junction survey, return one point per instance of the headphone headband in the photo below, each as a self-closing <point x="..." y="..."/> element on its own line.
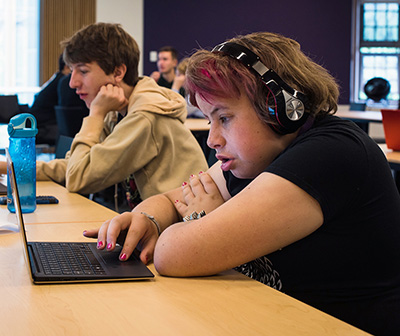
<point x="243" y="54"/>
<point x="289" y="113"/>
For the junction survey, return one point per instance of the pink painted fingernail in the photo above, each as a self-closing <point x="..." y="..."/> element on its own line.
<point x="122" y="256"/>
<point x="184" y="183"/>
<point x="191" y="176"/>
<point x="176" y="201"/>
<point x="200" y="172"/>
<point x="99" y="244"/>
<point x="109" y="246"/>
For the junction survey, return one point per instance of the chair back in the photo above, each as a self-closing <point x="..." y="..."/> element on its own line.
<point x="69" y="119"/>
<point x="63" y="146"/>
<point x="357" y="106"/>
<point x="8" y="108"/>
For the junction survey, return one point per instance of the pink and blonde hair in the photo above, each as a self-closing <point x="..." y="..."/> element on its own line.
<point x="216" y="75"/>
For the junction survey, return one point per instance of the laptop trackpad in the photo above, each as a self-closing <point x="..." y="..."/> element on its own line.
<point x="111" y="260"/>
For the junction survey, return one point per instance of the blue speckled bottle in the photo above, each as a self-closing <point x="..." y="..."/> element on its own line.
<point x="23" y="154"/>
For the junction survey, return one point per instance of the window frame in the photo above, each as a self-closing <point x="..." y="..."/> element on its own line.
<point x="358" y="42"/>
<point x="20" y="48"/>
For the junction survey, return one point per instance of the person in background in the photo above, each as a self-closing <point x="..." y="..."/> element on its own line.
<point x="135" y="130"/>
<point x="43" y="106"/>
<point x="166" y="64"/>
<point x="178" y="86"/>
<point x="67" y="96"/>
<point x="299" y="200"/>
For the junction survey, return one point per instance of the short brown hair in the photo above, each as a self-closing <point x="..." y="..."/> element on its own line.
<point x="108" y="45"/>
<point x="172" y="50"/>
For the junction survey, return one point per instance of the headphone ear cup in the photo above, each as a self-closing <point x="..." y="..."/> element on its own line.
<point x="285" y="111"/>
<point x="286" y="106"/>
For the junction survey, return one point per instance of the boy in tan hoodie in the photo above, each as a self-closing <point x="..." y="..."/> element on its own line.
<point x="135" y="129"/>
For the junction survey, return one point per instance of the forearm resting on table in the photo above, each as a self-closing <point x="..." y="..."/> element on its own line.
<point x="239" y="230"/>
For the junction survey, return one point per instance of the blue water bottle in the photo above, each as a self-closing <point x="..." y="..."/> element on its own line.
<point x="23" y="154"/>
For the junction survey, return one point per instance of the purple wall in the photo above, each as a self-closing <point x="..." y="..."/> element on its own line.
<point x="323" y="28"/>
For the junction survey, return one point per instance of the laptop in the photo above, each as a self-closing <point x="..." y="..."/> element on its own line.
<point x="65" y="262"/>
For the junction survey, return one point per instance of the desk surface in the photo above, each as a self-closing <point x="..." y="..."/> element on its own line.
<point x="197" y="124"/>
<point x="366" y="116"/>
<point x="69" y="210"/>
<point x="392" y="156"/>
<point x="342" y="112"/>
<point x="225" y="304"/>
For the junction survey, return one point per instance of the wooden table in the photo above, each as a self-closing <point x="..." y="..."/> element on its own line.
<point x="70" y="208"/>
<point x="197" y="124"/>
<point x="225" y="304"/>
<point x="361" y="118"/>
<point x="393" y="157"/>
<point x="394" y="160"/>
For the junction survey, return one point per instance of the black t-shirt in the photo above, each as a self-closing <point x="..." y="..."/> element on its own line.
<point x="43" y="110"/>
<point x="67" y="96"/>
<point x="164" y="83"/>
<point x="349" y="267"/>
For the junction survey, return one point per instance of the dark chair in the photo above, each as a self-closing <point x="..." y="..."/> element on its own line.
<point x="357" y="106"/>
<point x="364" y="125"/>
<point x="69" y="119"/>
<point x="8" y="108"/>
<point x="63" y="146"/>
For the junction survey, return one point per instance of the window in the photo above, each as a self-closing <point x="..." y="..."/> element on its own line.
<point x="19" y="48"/>
<point x="376" y="46"/>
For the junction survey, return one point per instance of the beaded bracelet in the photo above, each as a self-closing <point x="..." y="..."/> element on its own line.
<point x="194" y="215"/>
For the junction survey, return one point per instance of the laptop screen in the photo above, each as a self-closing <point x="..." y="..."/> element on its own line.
<point x="104" y="265"/>
<point x="18" y="212"/>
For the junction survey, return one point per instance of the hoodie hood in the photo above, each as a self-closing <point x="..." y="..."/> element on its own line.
<point x="150" y="97"/>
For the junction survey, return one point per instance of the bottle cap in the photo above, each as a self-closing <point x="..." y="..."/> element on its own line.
<point x="17" y="126"/>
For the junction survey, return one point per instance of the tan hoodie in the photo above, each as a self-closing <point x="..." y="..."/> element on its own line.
<point x="151" y="142"/>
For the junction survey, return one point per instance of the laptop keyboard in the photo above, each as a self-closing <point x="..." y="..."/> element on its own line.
<point x="68" y="259"/>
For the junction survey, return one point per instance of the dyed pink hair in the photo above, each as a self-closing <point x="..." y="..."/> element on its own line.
<point x="214" y="75"/>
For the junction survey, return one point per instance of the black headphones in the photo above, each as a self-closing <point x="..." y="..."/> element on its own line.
<point x="286" y="106"/>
